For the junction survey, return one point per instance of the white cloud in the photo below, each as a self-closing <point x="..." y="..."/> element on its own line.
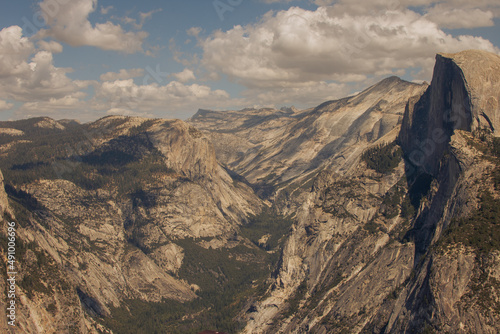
<point x="50" y="46"/>
<point x="4" y="105"/>
<point x="43" y="81"/>
<point x="14" y="50"/>
<point x="105" y="10"/>
<point x="275" y="1"/>
<point x="147" y="16"/>
<point x="69" y="22"/>
<point x="194" y="31"/>
<point x="53" y="106"/>
<point x="73" y="106"/>
<point x="143" y="17"/>
<point x="28" y="74"/>
<point x="374" y="7"/>
<point x="308" y="95"/>
<point x="123" y="74"/>
<point x="185" y="76"/>
<point x="174" y="99"/>
<point x="454" y="18"/>
<point x="446" y="13"/>
<point x="297" y="46"/>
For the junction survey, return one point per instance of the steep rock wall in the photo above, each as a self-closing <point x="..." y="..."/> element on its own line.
<point x="463" y="95"/>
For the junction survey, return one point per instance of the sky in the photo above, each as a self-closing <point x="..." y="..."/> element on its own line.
<point x="85" y="59"/>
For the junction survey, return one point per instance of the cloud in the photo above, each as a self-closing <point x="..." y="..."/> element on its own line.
<point x="275" y="1"/>
<point x="126" y="112"/>
<point x="454" y="18"/>
<point x="14" y="50"/>
<point x="451" y="14"/>
<point x="4" y="105"/>
<point x="174" y="99"/>
<point x="297" y="46"/>
<point x="50" y="46"/>
<point x="105" y="10"/>
<point x="308" y="95"/>
<point x="194" y="31"/>
<point x="147" y="16"/>
<point x="69" y="22"/>
<point x="185" y="76"/>
<point x="55" y="107"/>
<point x="143" y="17"/>
<point x="28" y="74"/>
<point x="123" y="74"/>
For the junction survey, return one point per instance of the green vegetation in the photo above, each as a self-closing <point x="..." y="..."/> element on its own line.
<point x="383" y="158"/>
<point x="391" y="202"/>
<point x="481" y="230"/>
<point x="419" y="188"/>
<point x="268" y="222"/>
<point x="227" y="278"/>
<point x="294" y="302"/>
<point x="397" y="201"/>
<point x="407" y="209"/>
<point x="495" y="146"/>
<point x="37" y="271"/>
<point x="71" y="155"/>
<point x="485" y="142"/>
<point x="371" y="227"/>
<point x="482" y="285"/>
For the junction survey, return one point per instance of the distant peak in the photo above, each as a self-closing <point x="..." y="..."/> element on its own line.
<point x="392" y="78"/>
<point x="48" y="123"/>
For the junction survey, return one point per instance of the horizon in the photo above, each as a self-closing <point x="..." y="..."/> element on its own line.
<point x="217" y="110"/>
<point x="88" y="59"/>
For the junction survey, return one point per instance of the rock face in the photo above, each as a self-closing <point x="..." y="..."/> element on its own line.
<point x="463" y="95"/>
<point x="281" y="146"/>
<point x="480" y="72"/>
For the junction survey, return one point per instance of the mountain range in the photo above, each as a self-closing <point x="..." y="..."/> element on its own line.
<point x="375" y="213"/>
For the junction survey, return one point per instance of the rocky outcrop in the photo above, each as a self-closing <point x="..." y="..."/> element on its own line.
<point x="463" y="95"/>
<point x="185" y="149"/>
<point x="4" y="203"/>
<point x="481" y="73"/>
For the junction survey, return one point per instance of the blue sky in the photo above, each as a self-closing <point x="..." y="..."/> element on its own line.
<point x="85" y="59"/>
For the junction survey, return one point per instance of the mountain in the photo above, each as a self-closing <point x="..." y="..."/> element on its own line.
<point x="100" y="208"/>
<point x="406" y="245"/>
<point x="375" y="213"/>
<point x="279" y="147"/>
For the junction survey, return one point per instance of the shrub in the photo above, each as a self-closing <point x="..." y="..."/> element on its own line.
<point x="383" y="158"/>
